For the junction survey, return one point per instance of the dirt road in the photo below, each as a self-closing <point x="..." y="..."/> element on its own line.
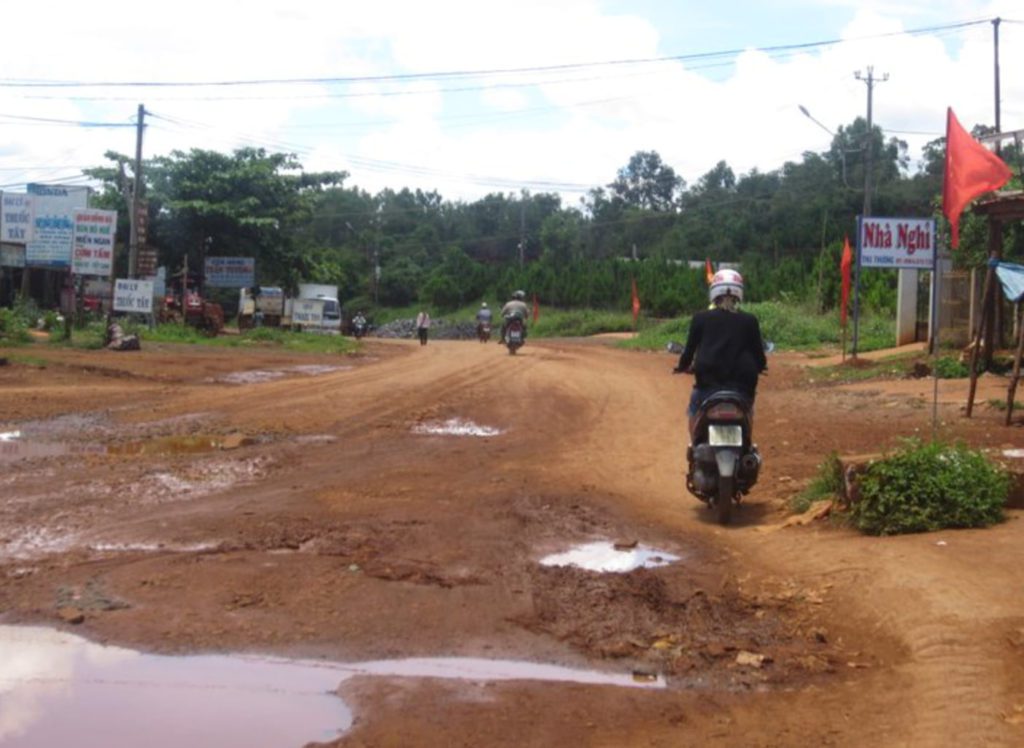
<point x="398" y="503"/>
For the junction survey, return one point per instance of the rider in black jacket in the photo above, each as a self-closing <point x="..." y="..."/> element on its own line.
<point x="724" y="347"/>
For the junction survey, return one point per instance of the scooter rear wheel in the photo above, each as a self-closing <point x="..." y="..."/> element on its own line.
<point x="723" y="504"/>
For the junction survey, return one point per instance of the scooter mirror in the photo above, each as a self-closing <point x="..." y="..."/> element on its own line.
<point x="674" y="347"/>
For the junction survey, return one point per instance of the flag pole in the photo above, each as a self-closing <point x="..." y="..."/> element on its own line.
<point x="935" y="332"/>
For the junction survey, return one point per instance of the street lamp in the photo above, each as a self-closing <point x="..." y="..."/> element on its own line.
<point x="842" y="151"/>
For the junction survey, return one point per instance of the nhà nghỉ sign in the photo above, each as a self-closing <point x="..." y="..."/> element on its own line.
<point x="897" y="242"/>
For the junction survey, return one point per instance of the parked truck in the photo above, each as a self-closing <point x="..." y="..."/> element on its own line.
<point x="316" y="309"/>
<point x="261" y="306"/>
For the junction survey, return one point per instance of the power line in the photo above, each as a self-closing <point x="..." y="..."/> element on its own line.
<point x="455" y="74"/>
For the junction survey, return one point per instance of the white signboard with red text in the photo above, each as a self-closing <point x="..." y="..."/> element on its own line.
<point x="92" y="252"/>
<point x="907" y="243"/>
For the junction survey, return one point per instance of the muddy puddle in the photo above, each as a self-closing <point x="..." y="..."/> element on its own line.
<point x="18" y="445"/>
<point x="258" y="376"/>
<point x="608" y="557"/>
<point x="56" y="688"/>
<point x="455" y="427"/>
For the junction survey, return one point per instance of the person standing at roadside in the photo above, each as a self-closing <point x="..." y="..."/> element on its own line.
<point x="423" y="326"/>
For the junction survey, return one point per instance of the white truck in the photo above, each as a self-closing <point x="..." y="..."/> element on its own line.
<point x="316" y="309"/>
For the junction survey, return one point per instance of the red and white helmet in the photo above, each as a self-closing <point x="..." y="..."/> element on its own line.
<point x="726" y="283"/>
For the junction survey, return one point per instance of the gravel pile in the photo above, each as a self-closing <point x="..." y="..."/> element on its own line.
<point x="440" y="329"/>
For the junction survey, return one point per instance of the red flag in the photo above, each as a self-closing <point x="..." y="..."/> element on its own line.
<point x="709" y="272"/>
<point x="536" y="309"/>
<point x="636" y="303"/>
<point x="844" y="266"/>
<point x="971" y="170"/>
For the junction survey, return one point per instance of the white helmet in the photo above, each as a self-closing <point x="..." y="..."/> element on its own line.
<point x="726" y="283"/>
<point x="483" y="305"/>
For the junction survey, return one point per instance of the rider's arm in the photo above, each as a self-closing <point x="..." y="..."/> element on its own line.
<point x="759" y="357"/>
<point x="692" y="343"/>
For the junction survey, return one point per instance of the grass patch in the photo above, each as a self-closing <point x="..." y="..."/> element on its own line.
<point x="557" y="323"/>
<point x="862" y="370"/>
<point x="92" y="335"/>
<point x="926" y="487"/>
<point x="789" y="326"/>
<point x="827" y="483"/>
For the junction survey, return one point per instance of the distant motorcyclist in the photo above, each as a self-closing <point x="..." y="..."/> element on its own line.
<point x="514" y="309"/>
<point x="724" y="347"/>
<point x="359" y="324"/>
<point x="483" y="321"/>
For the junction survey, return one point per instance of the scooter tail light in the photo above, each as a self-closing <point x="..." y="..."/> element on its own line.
<point x="725" y="412"/>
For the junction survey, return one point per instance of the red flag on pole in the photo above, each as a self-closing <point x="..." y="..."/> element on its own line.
<point x="709" y="272"/>
<point x="844" y="266"/>
<point x="636" y="303"/>
<point x="536" y="309"/>
<point x="971" y="170"/>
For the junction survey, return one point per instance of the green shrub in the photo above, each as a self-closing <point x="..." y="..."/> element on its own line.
<point x="925" y="487"/>
<point x="948" y="367"/>
<point x="828" y="482"/>
<point x="13" y="327"/>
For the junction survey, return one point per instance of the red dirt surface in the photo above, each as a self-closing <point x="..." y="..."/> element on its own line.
<point x="306" y="516"/>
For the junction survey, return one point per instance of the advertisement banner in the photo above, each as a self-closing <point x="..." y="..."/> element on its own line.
<point x="133" y="296"/>
<point x="230" y="272"/>
<point x="12" y="255"/>
<point x="897" y="242"/>
<point x="93" y="247"/>
<point x="53" y="224"/>
<point x="15" y="217"/>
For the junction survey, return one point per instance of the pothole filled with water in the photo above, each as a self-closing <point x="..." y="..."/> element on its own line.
<point x="15" y="447"/>
<point x="605" y="556"/>
<point x="257" y="376"/>
<point x="455" y="427"/>
<point x="56" y="688"/>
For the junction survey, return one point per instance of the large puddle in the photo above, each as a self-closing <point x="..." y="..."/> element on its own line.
<point x="58" y="689"/>
<point x="604" y="556"/>
<point x="257" y="376"/>
<point x="14" y="446"/>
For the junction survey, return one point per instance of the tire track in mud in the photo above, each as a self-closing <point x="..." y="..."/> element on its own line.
<point x="957" y="688"/>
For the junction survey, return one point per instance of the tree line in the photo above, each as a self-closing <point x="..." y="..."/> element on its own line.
<point x="785" y="227"/>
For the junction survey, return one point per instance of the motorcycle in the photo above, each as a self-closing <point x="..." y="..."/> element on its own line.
<point x="483" y="331"/>
<point x="359" y="328"/>
<point x="515" y="335"/>
<point x="723" y="463"/>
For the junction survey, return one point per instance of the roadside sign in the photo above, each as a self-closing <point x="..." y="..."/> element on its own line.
<point x="230" y="272"/>
<point x="308" y="312"/>
<point x="93" y="248"/>
<point x="15" y="217"/>
<point x="133" y="296"/>
<point x="12" y="255"/>
<point x="146" y="262"/>
<point x="53" y="225"/>
<point x="901" y="243"/>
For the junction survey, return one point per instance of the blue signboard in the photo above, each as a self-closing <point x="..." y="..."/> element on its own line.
<point x="230" y="272"/>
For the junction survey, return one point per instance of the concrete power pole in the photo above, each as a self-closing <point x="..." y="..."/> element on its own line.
<point x="137" y="187"/>
<point x="870" y="81"/>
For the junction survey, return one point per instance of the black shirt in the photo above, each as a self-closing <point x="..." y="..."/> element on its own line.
<point x="728" y="349"/>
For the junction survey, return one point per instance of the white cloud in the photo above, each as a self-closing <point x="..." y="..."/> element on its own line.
<point x="572" y="126"/>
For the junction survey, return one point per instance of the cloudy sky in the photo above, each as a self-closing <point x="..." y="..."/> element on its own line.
<point x="469" y="97"/>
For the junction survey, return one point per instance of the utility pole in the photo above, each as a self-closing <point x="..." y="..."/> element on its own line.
<point x="133" y="240"/>
<point x="995" y="35"/>
<point x="522" y="232"/>
<point x="870" y="81"/>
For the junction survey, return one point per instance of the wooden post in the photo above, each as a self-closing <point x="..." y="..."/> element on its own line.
<point x="1012" y="392"/>
<point x="976" y="341"/>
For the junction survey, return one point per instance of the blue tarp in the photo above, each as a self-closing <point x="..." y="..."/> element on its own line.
<point x="1012" y="278"/>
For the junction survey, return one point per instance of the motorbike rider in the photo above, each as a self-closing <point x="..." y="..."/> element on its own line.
<point x="515" y="308"/>
<point x="483" y="315"/>
<point x="359" y="323"/>
<point x="724" y="346"/>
